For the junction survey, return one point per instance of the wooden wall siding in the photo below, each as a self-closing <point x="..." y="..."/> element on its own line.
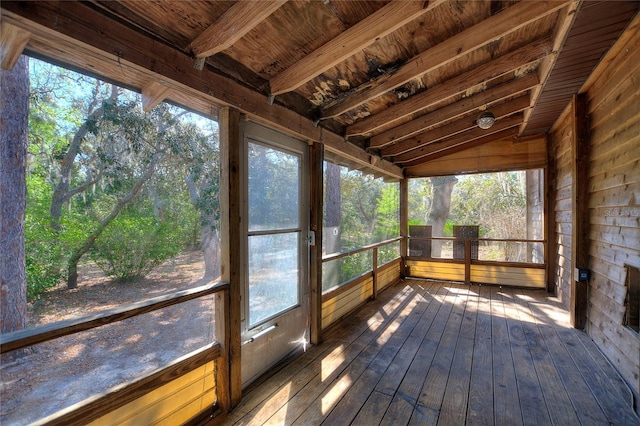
<point x="174" y="403"/>
<point x="447" y="271"/>
<point x="561" y="139"/>
<point x="389" y="274"/>
<point x="346" y="299"/>
<point x="337" y="307"/>
<point x="509" y="275"/>
<point x="614" y="200"/>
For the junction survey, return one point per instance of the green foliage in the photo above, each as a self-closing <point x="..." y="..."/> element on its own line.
<point x="134" y="244"/>
<point x="43" y="253"/>
<point x="90" y="144"/>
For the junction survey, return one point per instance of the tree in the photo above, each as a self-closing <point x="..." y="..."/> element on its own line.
<point x="332" y="222"/>
<point x="14" y="111"/>
<point x="440" y="207"/>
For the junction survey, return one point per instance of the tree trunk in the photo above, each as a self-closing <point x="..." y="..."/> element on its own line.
<point x="332" y="222"/>
<point x="14" y="128"/>
<point x="72" y="264"/>
<point x="208" y="232"/>
<point x="440" y="207"/>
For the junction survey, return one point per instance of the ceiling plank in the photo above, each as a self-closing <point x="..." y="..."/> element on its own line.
<point x="152" y="94"/>
<point x="461" y="83"/>
<point x="467" y="123"/>
<point x="12" y="42"/>
<point x="241" y="18"/>
<point x="439" y="148"/>
<point x="544" y="70"/>
<point x="81" y="37"/>
<point x="456" y="109"/>
<point x="493" y="156"/>
<point x="495" y="27"/>
<point x="366" y="32"/>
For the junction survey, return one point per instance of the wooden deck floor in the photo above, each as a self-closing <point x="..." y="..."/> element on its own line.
<point x="446" y="354"/>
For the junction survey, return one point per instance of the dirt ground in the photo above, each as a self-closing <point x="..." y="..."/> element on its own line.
<point x="65" y="371"/>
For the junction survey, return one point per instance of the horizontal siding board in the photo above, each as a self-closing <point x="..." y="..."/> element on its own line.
<point x="508" y="275"/>
<point x="198" y="384"/>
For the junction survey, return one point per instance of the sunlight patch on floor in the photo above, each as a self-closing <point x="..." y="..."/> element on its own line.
<point x="334" y="394"/>
<point x="331" y="362"/>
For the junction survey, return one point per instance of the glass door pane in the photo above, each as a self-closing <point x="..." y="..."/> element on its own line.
<point x="273" y="232"/>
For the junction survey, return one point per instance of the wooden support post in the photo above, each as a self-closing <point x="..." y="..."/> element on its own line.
<point x="580" y="210"/>
<point x="223" y="337"/>
<point x="231" y="239"/>
<point x="467" y="261"/>
<point x="404" y="224"/>
<point x="549" y="221"/>
<point x="374" y="270"/>
<point x="316" y="159"/>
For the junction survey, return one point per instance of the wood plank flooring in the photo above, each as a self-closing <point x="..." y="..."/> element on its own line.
<point x="428" y="353"/>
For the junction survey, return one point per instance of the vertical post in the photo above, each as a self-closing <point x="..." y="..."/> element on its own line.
<point x="374" y="295"/>
<point x="231" y="239"/>
<point x="580" y="210"/>
<point x="223" y="337"/>
<point x="316" y="159"/>
<point x="467" y="260"/>
<point x="404" y="224"/>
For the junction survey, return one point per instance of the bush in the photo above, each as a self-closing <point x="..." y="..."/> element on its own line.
<point x="42" y="250"/>
<point x="132" y="246"/>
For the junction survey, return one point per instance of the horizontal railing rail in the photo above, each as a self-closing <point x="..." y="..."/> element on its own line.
<point x="335" y="256"/>
<point x="371" y="272"/>
<point x="118" y="396"/>
<point x="32" y="336"/>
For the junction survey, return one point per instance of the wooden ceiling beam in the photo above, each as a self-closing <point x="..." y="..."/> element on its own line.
<point x="456" y="109"/>
<point x="491" y="29"/>
<point x="83" y="38"/>
<point x="502" y="65"/>
<point x="495" y="155"/>
<point x="12" y="42"/>
<point x="366" y="32"/>
<point x="152" y="94"/>
<point x="467" y="123"/>
<point x="544" y="70"/>
<point x="241" y="18"/>
<point x="466" y="139"/>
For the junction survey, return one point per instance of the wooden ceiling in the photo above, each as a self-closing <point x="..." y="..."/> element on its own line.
<point x="402" y="80"/>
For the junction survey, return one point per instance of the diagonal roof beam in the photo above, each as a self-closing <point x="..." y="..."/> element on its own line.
<point x="466" y="123"/>
<point x="417" y="156"/>
<point x="504" y="64"/>
<point x="456" y="109"/>
<point x="152" y="94"/>
<point x="495" y="27"/>
<point x="366" y="32"/>
<point x="241" y="18"/>
<point x="12" y="42"/>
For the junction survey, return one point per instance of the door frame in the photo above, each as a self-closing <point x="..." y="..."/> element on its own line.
<point x="272" y="328"/>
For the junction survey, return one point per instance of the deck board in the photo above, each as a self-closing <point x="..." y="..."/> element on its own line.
<point x="446" y="354"/>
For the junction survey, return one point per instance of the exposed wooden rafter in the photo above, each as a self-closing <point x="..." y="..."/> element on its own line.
<point x="499" y="25"/>
<point x="12" y="42"/>
<point x="152" y="94"/>
<point x="456" y="109"/>
<point x="241" y="18"/>
<point x="560" y="34"/>
<point x="505" y="64"/>
<point x="379" y="24"/>
<point x="460" y="141"/>
<point x="455" y="127"/>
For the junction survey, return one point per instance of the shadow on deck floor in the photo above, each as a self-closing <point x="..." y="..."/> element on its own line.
<point x="448" y="354"/>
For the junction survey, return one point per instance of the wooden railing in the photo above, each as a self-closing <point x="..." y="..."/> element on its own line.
<point x="470" y="261"/>
<point x="373" y="272"/>
<point x="99" y="405"/>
